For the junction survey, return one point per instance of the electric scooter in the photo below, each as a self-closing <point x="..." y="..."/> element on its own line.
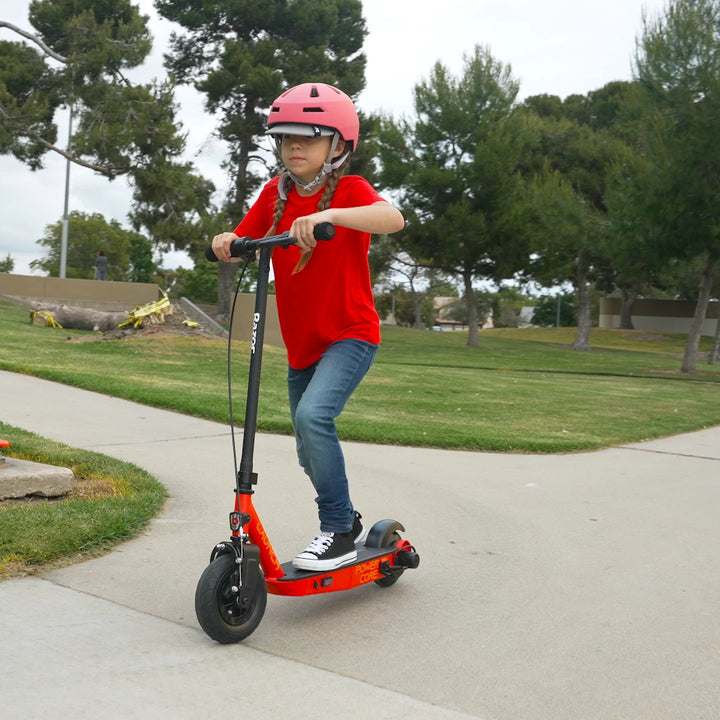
<point x="231" y="593"/>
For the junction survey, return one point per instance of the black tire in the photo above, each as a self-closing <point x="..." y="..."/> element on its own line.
<point x="384" y="534"/>
<point x="217" y="608"/>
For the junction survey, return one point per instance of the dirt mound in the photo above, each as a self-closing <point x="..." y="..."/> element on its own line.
<point x="172" y="321"/>
<point x="176" y="323"/>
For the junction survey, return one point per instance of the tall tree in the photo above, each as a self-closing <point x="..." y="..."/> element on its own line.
<point x="241" y="54"/>
<point x="563" y="229"/>
<point x="678" y="66"/>
<point x="568" y="163"/>
<point x="127" y="252"/>
<point x="454" y="166"/>
<point x="142" y="266"/>
<point x="78" y="57"/>
<point x="611" y="110"/>
<point x="639" y="260"/>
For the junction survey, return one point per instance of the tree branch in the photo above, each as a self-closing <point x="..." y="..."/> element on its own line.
<point x="107" y="171"/>
<point x="34" y="38"/>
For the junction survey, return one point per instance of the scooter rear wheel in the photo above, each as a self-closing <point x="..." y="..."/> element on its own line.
<point x="225" y="613"/>
<point x="384" y="534"/>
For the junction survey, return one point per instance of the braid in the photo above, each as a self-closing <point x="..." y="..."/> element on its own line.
<point x="330" y="187"/>
<point x="280" y="203"/>
<point x="277" y="214"/>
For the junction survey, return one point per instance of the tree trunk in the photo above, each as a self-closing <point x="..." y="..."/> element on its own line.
<point x="472" y="311"/>
<point x="715" y="352"/>
<point x="693" y="341"/>
<point x="238" y="168"/>
<point x="417" y="299"/>
<point x="627" y="300"/>
<point x="75" y="318"/>
<point x="582" y="337"/>
<point x="226" y="280"/>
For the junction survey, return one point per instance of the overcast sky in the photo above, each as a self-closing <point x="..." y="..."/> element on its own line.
<point x="558" y="47"/>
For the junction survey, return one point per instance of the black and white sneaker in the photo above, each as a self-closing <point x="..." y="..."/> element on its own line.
<point x="327" y="551"/>
<point x="359" y="533"/>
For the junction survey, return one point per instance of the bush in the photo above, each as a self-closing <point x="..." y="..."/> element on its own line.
<point x="546" y="311"/>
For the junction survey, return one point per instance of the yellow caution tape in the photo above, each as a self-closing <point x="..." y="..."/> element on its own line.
<point x="191" y="323"/>
<point x="152" y="311"/>
<point x="50" y="321"/>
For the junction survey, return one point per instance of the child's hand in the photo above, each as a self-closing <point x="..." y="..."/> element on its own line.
<point x="221" y="246"/>
<point x="302" y="229"/>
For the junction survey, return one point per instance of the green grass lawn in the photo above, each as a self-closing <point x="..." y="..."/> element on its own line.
<point x="521" y="390"/>
<point x="111" y="501"/>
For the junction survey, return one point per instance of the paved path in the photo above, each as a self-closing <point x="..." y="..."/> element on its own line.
<point x="578" y="587"/>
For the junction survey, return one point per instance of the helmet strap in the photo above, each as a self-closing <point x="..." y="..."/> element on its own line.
<point x="285" y="184"/>
<point x="328" y="166"/>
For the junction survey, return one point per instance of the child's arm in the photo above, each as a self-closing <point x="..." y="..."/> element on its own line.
<point x="378" y="219"/>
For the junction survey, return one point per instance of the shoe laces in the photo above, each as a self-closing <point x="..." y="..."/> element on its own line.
<point x="320" y="543"/>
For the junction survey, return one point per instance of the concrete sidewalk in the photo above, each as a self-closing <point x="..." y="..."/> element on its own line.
<point x="580" y="586"/>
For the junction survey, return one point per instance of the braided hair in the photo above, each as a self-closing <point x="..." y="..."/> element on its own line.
<point x="333" y="179"/>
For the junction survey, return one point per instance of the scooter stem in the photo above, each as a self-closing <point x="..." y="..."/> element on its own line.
<point x="246" y="477"/>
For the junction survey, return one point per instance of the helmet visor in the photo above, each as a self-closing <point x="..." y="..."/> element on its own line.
<point x="300" y="129"/>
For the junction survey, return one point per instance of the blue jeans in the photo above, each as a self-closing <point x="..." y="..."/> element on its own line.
<point x="317" y="396"/>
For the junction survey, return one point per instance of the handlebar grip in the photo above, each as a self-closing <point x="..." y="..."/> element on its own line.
<point x="237" y="248"/>
<point x="322" y="231"/>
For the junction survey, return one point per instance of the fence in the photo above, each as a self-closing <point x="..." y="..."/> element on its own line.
<point x="110" y="295"/>
<point x="659" y="315"/>
<point x="101" y="294"/>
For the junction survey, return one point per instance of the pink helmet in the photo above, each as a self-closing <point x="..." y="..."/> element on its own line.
<point x="314" y="109"/>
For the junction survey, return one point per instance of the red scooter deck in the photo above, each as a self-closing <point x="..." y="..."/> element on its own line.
<point x="372" y="564"/>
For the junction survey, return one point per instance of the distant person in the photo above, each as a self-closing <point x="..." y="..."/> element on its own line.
<point x="101" y="266"/>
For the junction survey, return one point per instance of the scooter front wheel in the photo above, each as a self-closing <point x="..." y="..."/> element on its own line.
<point x="227" y="612"/>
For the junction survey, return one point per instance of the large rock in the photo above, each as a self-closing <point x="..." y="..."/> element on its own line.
<point x="20" y="478"/>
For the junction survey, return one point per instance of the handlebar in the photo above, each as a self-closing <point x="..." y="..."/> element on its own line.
<point x="243" y="247"/>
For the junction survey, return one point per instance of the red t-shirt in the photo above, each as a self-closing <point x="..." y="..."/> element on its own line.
<point x="331" y="298"/>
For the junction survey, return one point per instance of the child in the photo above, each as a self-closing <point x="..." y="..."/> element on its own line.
<point x="324" y="296"/>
